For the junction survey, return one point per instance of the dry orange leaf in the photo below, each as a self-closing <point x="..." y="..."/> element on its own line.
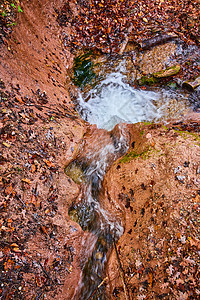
<point x="8" y="264"/>
<point x="6" y="144"/>
<point x="178" y="235"/>
<point x="17" y="250"/>
<point x="19" y="99"/>
<point x="26" y="180"/>
<point x="44" y="229"/>
<point x="49" y="163"/>
<point x="14" y="245"/>
<point x="8" y="189"/>
<point x="150" y="279"/>
<point x="33" y="168"/>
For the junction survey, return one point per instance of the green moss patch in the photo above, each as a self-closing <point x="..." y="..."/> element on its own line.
<point x="134" y="155"/>
<point x="167" y="72"/>
<point x="83" y="70"/>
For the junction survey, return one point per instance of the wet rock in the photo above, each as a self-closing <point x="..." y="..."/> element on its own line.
<point x="99" y="255"/>
<point x="157" y="59"/>
<point x="192" y="85"/>
<point x="167" y="72"/>
<point x="75" y="172"/>
<point x="147" y="80"/>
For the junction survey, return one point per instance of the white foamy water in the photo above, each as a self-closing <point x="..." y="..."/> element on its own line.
<point x="113" y="101"/>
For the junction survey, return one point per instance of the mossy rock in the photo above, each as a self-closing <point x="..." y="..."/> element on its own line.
<point x="75" y="172"/>
<point x="167" y="72"/>
<point x="147" y="80"/>
<point x="83" y="70"/>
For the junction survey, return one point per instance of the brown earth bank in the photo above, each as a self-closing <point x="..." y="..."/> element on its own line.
<point x="154" y="188"/>
<point x="41" y="248"/>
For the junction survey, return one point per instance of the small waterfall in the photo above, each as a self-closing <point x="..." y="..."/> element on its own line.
<point x="89" y="213"/>
<point x="114" y="101"/>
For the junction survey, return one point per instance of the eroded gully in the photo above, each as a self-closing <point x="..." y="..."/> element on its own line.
<point x="111" y="104"/>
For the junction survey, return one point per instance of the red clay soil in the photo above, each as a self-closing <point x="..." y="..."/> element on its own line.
<point x="41" y="249"/>
<point x="156" y="187"/>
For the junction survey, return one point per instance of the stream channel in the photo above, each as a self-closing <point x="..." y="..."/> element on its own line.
<point x="110" y="100"/>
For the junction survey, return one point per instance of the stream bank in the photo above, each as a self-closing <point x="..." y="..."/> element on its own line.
<point x="43" y="252"/>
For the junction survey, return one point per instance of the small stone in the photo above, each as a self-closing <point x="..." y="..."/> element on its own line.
<point x="180" y="178"/>
<point x="177" y="170"/>
<point x="148" y="136"/>
<point x="99" y="255"/>
<point x="167" y="72"/>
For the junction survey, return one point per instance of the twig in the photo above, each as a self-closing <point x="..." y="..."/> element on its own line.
<point x="97" y="288"/>
<point x="125" y="42"/>
<point x="45" y="272"/>
<point x="121" y="271"/>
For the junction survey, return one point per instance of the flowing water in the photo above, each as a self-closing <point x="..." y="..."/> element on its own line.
<point x="89" y="213"/>
<point x="111" y="101"/>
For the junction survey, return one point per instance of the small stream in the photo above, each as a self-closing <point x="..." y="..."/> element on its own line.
<point x="111" y="101"/>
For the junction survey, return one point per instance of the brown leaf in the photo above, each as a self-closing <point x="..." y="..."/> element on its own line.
<point x="49" y="163"/>
<point x="14" y="245"/>
<point x="19" y="99"/>
<point x="8" y="189"/>
<point x="26" y="180"/>
<point x="8" y="264"/>
<point x="33" y="168"/>
<point x="6" y="144"/>
<point x="195" y="242"/>
<point x="44" y="229"/>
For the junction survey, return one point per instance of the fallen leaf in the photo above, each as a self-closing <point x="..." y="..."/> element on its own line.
<point x="8" y="264"/>
<point x="14" y="245"/>
<point x="49" y="163"/>
<point x="19" y="99"/>
<point x="26" y="180"/>
<point x="145" y="20"/>
<point x="195" y="242"/>
<point x="33" y="168"/>
<point x="150" y="279"/>
<point x="8" y="189"/>
<point x="44" y="229"/>
<point x="17" y="250"/>
<point x="6" y="144"/>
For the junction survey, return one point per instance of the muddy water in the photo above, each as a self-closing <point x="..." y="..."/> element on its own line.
<point x="113" y="100"/>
